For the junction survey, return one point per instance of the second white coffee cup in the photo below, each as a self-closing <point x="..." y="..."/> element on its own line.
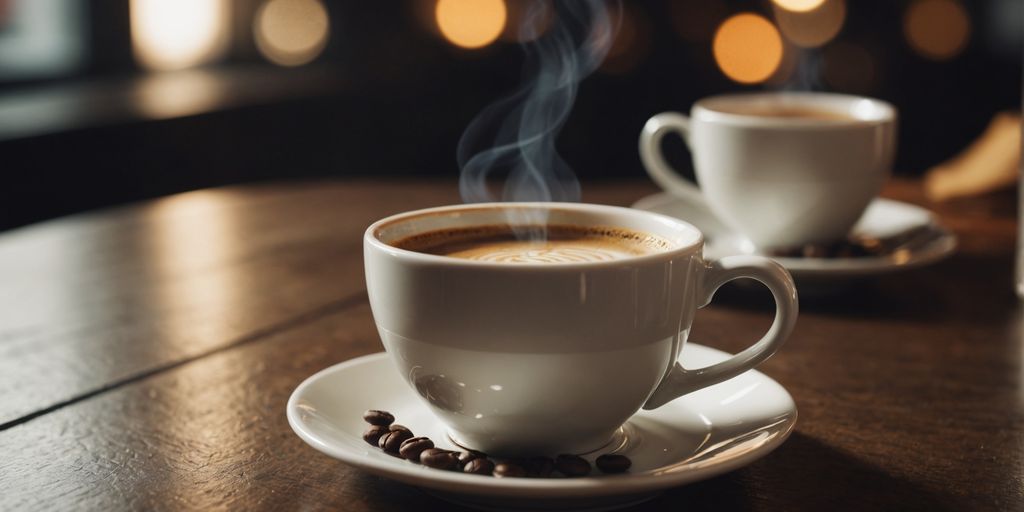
<point x="784" y="169"/>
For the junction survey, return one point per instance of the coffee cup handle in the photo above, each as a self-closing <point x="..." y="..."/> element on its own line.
<point x="657" y="167"/>
<point x="680" y="381"/>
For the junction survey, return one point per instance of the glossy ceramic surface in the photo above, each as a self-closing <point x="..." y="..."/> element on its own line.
<point x="927" y="241"/>
<point x="501" y="352"/>
<point x="781" y="181"/>
<point x="700" y="435"/>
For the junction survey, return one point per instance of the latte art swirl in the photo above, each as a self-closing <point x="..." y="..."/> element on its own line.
<point x="548" y="255"/>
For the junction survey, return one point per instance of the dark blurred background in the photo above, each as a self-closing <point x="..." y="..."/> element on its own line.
<point x="104" y="102"/>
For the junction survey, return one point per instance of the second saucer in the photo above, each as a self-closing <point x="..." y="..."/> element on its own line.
<point x="917" y="237"/>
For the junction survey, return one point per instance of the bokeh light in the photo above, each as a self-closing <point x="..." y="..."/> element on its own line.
<point x="632" y="41"/>
<point x="937" y="29"/>
<point x="812" y="28"/>
<point x="178" y="34"/>
<point x="747" y="48"/>
<point x="291" y="32"/>
<point x="799" y="5"/>
<point x="471" y="23"/>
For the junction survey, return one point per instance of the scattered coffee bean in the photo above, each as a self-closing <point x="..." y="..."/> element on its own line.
<point x="479" y="467"/>
<point x="396" y="426"/>
<point x="412" y="448"/>
<point x="508" y="469"/>
<point x="439" y="459"/>
<point x="372" y="434"/>
<point x="466" y="456"/>
<point x="398" y="440"/>
<point x="538" y="467"/>
<point x="572" y="465"/>
<point x="391" y="441"/>
<point x="611" y="463"/>
<point x="375" y="417"/>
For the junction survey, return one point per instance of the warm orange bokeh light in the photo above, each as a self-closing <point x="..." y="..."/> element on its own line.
<point x="810" y="29"/>
<point x="747" y="48"/>
<point x="799" y="5"/>
<point x="937" y="29"/>
<point x="471" y="23"/>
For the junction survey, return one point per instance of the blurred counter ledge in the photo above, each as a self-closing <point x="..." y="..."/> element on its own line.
<point x="66" y="107"/>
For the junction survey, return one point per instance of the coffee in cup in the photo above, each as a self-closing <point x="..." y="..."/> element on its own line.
<point x="785" y="169"/>
<point x="796" y="112"/>
<point x="512" y="342"/>
<point x="501" y="243"/>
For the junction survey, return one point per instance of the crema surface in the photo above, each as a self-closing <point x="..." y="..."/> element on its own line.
<point x="562" y="244"/>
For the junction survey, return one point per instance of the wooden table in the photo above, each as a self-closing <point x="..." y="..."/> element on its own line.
<point x="146" y="354"/>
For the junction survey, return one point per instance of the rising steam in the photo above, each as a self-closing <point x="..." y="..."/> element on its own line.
<point x="514" y="138"/>
<point x="808" y="73"/>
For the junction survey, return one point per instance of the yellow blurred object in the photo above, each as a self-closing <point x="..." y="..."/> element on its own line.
<point x="799" y="5"/>
<point x="179" y="34"/>
<point x="991" y="162"/>
<point x="471" y="23"/>
<point x="747" y="48"/>
<point x="291" y="32"/>
<point x="812" y="28"/>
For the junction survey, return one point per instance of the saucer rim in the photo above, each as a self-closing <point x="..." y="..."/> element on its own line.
<point x="942" y="246"/>
<point x="598" y="485"/>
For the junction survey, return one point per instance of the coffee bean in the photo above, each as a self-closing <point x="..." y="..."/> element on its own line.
<point x="391" y="441"/>
<point x="507" y="469"/>
<point x="538" y="467"/>
<point x="374" y="417"/>
<point x="396" y="426"/>
<point x="398" y="440"/>
<point x="571" y="465"/>
<point x="465" y="457"/>
<point x="412" y="447"/>
<point x="479" y="466"/>
<point x="611" y="463"/>
<point x="439" y="459"/>
<point x="372" y="434"/>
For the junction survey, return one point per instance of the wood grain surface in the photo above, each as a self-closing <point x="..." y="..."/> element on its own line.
<point x="147" y="352"/>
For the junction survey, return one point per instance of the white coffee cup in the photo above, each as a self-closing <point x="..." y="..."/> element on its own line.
<point x="785" y="169"/>
<point x="547" y="358"/>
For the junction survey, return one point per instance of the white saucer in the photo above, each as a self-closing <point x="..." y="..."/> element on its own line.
<point x="884" y="219"/>
<point x="698" y="436"/>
